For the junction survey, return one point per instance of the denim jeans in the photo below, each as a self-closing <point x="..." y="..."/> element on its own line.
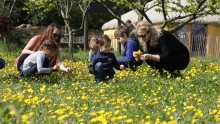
<point x="99" y="73"/>
<point x="31" y="71"/>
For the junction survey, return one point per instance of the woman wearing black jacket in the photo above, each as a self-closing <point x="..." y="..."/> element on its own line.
<point x="161" y="49"/>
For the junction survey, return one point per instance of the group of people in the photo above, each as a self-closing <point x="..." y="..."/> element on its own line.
<point x="159" y="49"/>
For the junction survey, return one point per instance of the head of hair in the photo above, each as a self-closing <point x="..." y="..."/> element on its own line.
<point x="104" y="38"/>
<point x="147" y="28"/>
<point x="49" y="45"/>
<point x="121" y="30"/>
<point x="128" y="21"/>
<point x="48" y="34"/>
<point x="93" y="43"/>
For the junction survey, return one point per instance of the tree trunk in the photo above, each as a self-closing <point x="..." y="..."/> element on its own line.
<point x="85" y="30"/>
<point x="119" y="23"/>
<point x="70" y="45"/>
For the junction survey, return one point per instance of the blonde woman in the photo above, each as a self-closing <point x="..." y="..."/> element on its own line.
<point x="161" y="49"/>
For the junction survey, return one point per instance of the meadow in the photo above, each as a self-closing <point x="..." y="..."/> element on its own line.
<point x="142" y="97"/>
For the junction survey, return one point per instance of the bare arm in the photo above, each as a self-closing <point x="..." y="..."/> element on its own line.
<point x="30" y="45"/>
<point x="152" y="57"/>
<point x="61" y="65"/>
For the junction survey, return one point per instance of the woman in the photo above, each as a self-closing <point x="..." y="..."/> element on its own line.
<point x="52" y="32"/>
<point x="161" y="49"/>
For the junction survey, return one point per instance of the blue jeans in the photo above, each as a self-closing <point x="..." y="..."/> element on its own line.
<point x="2" y="63"/>
<point x="31" y="71"/>
<point x="99" y="73"/>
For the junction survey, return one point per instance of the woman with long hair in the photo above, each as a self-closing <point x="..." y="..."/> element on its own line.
<point x="162" y="50"/>
<point x="52" y="32"/>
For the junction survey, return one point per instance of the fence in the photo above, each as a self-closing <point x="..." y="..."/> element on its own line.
<point x="198" y="45"/>
<point x="201" y="45"/>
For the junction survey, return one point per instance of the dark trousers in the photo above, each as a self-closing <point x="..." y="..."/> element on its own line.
<point x="2" y="63"/>
<point x="100" y="75"/>
<point x="31" y="71"/>
<point x="21" y="61"/>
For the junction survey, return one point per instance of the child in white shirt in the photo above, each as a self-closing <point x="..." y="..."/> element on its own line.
<point x="39" y="61"/>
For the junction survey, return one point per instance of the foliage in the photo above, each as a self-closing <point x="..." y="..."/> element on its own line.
<point x="133" y="97"/>
<point x="187" y="10"/>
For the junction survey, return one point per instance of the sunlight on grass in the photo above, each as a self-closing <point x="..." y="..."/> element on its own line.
<point x="133" y="97"/>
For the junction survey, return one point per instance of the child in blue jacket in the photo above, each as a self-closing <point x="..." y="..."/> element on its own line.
<point x="130" y="44"/>
<point x="104" y="61"/>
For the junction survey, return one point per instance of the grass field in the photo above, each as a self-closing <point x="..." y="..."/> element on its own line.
<point x="133" y="97"/>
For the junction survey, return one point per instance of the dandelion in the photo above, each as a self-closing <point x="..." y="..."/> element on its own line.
<point x="199" y="113"/>
<point x="128" y="121"/>
<point x="42" y="89"/>
<point x="25" y="118"/>
<point x="214" y="78"/>
<point x="12" y="112"/>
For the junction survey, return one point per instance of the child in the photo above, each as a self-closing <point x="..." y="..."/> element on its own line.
<point x="39" y="61"/>
<point x="2" y="63"/>
<point x="131" y="44"/>
<point x="104" y="61"/>
<point x="93" y="45"/>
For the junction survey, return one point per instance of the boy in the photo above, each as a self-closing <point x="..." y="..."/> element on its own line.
<point x="39" y="61"/>
<point x="104" y="61"/>
<point x="131" y="44"/>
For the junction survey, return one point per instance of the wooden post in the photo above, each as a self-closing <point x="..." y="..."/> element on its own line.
<point x="189" y="39"/>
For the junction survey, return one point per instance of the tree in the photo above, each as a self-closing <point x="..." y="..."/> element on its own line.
<point x="5" y="27"/>
<point x="6" y="7"/>
<point x="64" y="7"/>
<point x="191" y="10"/>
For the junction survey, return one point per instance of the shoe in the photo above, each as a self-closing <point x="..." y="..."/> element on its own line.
<point x="176" y="73"/>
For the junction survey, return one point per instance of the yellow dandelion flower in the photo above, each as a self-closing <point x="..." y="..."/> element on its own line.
<point x="147" y="117"/>
<point x="199" y="113"/>
<point x="129" y="121"/>
<point x="171" y="117"/>
<point x="139" y="52"/>
<point x="42" y="89"/>
<point x="12" y="112"/>
<point x="24" y="118"/>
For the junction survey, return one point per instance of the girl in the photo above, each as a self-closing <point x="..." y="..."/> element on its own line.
<point x="39" y="61"/>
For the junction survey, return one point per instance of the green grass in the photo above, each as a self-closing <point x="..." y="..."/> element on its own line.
<point x="133" y="97"/>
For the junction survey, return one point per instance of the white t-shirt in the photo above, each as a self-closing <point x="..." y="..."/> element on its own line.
<point x="36" y="58"/>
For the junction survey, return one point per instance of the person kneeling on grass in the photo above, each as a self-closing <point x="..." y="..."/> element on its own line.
<point x="104" y="61"/>
<point x="39" y="61"/>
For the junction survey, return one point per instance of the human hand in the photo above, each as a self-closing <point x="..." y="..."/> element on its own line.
<point x="145" y="56"/>
<point x="135" y="55"/>
<point x="55" y="68"/>
<point x="122" y="67"/>
<point x="68" y="70"/>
